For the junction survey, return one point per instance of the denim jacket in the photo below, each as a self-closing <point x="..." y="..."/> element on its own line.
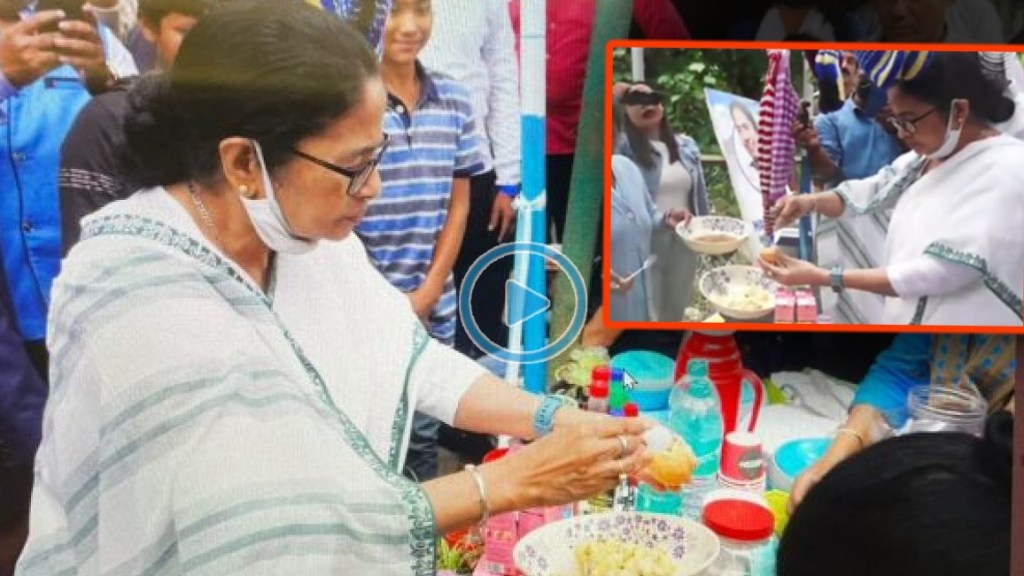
<point x="689" y="155"/>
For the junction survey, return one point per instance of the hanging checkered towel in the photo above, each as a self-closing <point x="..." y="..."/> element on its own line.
<point x="886" y="67"/>
<point x="776" y="147"/>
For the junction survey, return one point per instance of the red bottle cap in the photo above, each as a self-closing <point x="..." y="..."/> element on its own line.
<point x="631" y="410"/>
<point x="599" y="389"/>
<point x="601" y="373"/>
<point x="739" y="520"/>
<point x="495" y="454"/>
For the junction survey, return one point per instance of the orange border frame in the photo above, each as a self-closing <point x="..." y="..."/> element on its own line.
<point x="757" y="326"/>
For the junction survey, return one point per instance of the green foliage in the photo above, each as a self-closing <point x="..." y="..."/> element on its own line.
<point x="683" y="74"/>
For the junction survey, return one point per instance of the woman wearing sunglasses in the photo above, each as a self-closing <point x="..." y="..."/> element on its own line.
<point x="671" y="167"/>
<point x="953" y="245"/>
<point x="232" y="381"/>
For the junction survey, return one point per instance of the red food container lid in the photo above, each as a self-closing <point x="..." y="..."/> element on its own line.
<point x="599" y="389"/>
<point x="631" y="410"/>
<point x="739" y="520"/>
<point x="601" y="374"/>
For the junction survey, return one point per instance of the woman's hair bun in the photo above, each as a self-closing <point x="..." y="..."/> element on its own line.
<point x="156" y="144"/>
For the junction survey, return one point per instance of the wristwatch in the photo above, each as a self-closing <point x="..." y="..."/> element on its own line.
<point x="544" y="417"/>
<point x="836" y="279"/>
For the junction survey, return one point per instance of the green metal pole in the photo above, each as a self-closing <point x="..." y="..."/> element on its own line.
<point x="586" y="190"/>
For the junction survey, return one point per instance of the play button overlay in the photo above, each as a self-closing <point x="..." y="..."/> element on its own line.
<point x="522" y="303"/>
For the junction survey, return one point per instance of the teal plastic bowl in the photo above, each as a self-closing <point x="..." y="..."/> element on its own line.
<point x="792" y="458"/>
<point x="652" y="373"/>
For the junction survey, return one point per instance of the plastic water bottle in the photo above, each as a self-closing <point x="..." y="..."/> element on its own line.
<point x="695" y="414"/>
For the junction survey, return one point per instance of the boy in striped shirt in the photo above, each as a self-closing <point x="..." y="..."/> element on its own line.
<point x="413" y="231"/>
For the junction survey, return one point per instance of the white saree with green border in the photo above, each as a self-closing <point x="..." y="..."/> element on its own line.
<point x="197" y="426"/>
<point x="969" y="211"/>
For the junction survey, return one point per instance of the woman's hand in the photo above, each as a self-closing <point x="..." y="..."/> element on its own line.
<point x="791" y="208"/>
<point x="574" y="462"/>
<point x="807" y="480"/>
<point x="423" y="304"/>
<point x="790" y="271"/>
<point x="620" y="284"/>
<point x="674" y="217"/>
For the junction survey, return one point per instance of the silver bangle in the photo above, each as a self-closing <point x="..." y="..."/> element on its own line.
<point x="478" y="479"/>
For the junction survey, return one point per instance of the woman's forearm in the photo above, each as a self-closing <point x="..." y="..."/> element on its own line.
<point x="875" y="280"/>
<point x="455" y="498"/>
<point x="862" y="431"/>
<point x="493" y="406"/>
<point x="828" y="204"/>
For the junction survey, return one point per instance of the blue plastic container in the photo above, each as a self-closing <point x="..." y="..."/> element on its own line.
<point x="653" y="374"/>
<point x="792" y="458"/>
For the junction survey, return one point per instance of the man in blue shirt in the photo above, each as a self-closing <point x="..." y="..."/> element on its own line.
<point x="45" y="79"/>
<point x="853" y="142"/>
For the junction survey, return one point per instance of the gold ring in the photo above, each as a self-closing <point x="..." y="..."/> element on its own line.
<point x="625" y="445"/>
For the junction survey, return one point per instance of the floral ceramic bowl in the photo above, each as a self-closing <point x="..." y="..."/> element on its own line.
<point x="550" y="550"/>
<point x="739" y="292"/>
<point x="714" y="235"/>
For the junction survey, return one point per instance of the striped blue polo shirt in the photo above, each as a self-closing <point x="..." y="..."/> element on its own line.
<point x="429" y="147"/>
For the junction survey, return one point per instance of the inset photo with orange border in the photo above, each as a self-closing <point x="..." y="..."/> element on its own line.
<point x="814" y="187"/>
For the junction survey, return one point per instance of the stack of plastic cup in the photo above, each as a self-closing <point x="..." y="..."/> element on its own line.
<point x="742" y="463"/>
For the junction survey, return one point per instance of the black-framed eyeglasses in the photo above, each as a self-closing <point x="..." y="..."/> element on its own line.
<point x="357" y="175"/>
<point x="909" y="125"/>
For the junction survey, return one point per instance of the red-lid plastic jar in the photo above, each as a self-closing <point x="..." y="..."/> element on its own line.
<point x="739" y="520"/>
<point x="746" y="531"/>
<point x="599" y="389"/>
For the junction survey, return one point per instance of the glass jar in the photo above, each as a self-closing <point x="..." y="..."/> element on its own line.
<point x="934" y="408"/>
<point x="746" y="530"/>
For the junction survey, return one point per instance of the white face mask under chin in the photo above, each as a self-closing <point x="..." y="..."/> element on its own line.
<point x="950" y="140"/>
<point x="269" y="221"/>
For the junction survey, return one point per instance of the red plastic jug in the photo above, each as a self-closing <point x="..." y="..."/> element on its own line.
<point x="726" y="371"/>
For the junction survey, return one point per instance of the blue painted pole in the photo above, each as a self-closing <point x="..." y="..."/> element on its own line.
<point x="533" y="62"/>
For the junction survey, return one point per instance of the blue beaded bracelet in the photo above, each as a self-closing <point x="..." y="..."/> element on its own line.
<point x="544" y="417"/>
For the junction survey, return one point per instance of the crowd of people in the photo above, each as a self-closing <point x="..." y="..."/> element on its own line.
<point x="921" y="194"/>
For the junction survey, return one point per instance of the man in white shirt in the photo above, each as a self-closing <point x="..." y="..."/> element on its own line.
<point x="473" y="42"/>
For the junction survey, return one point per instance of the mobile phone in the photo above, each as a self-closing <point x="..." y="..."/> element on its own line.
<point x="805" y="113"/>
<point x="72" y="11"/>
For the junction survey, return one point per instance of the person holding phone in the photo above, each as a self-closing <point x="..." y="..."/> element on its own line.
<point x="51" y="60"/>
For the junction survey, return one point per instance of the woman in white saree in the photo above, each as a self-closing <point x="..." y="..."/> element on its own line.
<point x="954" y="249"/>
<point x="232" y="381"/>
